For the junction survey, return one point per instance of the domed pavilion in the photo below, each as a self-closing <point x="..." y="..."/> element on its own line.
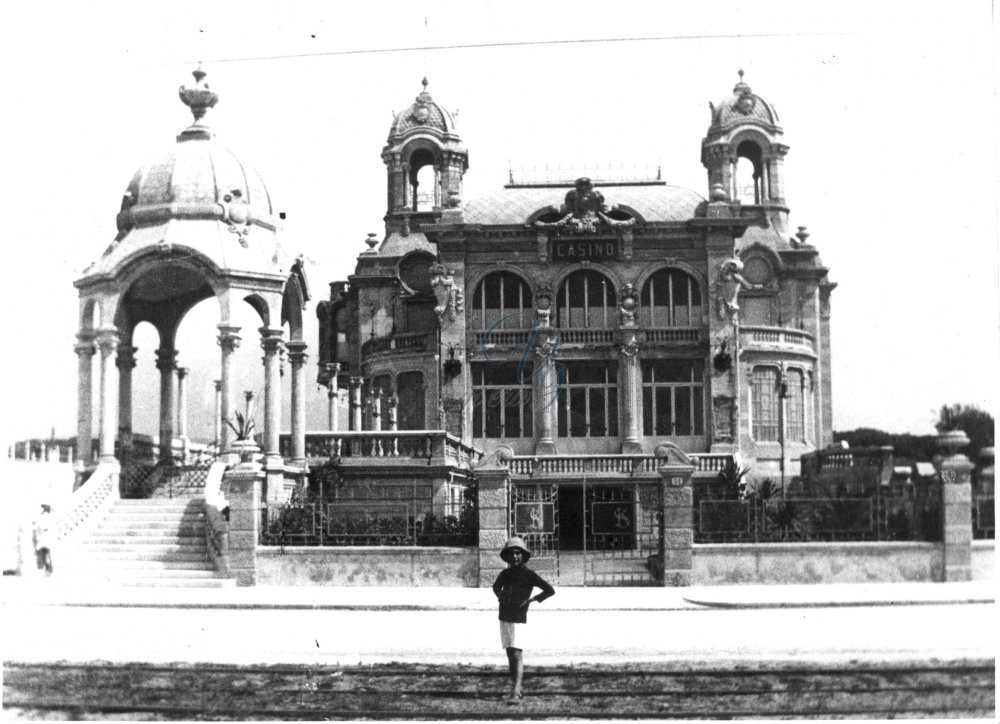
<point x="195" y="223"/>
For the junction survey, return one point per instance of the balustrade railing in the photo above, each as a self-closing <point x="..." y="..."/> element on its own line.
<point x="411" y="341"/>
<point x="526" y="465"/>
<point x="750" y="335"/>
<point x="387" y="445"/>
<point x="95" y="495"/>
<point x="676" y="335"/>
<point x="586" y="336"/>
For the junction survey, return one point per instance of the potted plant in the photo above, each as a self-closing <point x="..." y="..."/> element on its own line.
<point x="243" y="445"/>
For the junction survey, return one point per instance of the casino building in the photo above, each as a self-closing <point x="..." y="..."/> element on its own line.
<point x="570" y="328"/>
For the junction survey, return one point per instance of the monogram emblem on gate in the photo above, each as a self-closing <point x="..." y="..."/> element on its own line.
<point x="621" y="519"/>
<point x="536" y="519"/>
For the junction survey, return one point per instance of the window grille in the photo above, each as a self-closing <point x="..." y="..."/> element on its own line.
<point x="586" y="300"/>
<point x="588" y="403"/>
<point x="795" y="428"/>
<point x="673" y="397"/>
<point x="764" y="403"/>
<point x="499" y="295"/>
<point x="501" y="401"/>
<point x="670" y="298"/>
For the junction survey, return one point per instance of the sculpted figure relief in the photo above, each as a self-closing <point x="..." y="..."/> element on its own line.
<point x="584" y="210"/>
<point x="728" y="284"/>
<point x="451" y="301"/>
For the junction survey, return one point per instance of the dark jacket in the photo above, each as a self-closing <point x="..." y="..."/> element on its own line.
<point x="513" y="587"/>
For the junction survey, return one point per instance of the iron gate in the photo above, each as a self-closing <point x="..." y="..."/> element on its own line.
<point x="591" y="534"/>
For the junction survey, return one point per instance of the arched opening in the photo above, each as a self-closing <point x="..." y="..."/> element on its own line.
<point x="499" y="295"/>
<point x="424" y="184"/>
<point x="410" y="391"/>
<point x="748" y="178"/>
<point x="671" y="298"/>
<point x="586" y="299"/>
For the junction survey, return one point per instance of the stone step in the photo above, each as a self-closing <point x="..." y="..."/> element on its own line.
<point x="131" y="532"/>
<point x="124" y="554"/>
<point x="144" y="542"/>
<point x="138" y="571"/>
<point x="151" y="521"/>
<point x="97" y="565"/>
<point x="160" y="582"/>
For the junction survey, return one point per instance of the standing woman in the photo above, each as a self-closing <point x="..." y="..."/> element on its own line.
<point x="513" y="589"/>
<point x="43" y="536"/>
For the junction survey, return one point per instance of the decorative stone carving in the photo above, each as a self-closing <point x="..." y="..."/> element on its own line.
<point x="199" y="98"/>
<point x="450" y="299"/>
<point x="630" y="348"/>
<point x="723" y="414"/>
<point x="543" y="305"/>
<point x="629" y="305"/>
<point x="584" y="210"/>
<point x="728" y="284"/>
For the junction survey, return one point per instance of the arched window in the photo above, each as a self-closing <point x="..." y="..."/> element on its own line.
<point x="764" y="402"/>
<point x="424" y="191"/>
<point x="670" y="298"/>
<point x="586" y="300"/>
<point x="748" y="174"/>
<point x="498" y="295"/>
<point x="795" y="415"/>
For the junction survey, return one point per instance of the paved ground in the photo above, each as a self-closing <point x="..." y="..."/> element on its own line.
<point x="350" y="626"/>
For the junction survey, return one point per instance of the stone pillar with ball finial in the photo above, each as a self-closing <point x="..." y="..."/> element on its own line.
<point x="956" y="507"/>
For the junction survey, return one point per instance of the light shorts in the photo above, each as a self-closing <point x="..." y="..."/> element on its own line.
<point x="513" y="635"/>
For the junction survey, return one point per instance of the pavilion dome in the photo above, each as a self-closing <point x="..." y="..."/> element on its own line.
<point x="424" y="114"/>
<point x="741" y="108"/>
<point x="197" y="178"/>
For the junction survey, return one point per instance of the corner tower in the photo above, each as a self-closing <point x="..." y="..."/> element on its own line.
<point x="425" y="161"/>
<point x="744" y="151"/>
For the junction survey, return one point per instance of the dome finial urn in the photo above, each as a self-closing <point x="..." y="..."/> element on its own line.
<point x="200" y="97"/>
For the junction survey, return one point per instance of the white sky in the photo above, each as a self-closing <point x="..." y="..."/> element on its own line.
<point x="888" y="109"/>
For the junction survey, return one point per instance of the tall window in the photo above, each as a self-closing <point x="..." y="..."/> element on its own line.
<point x="498" y="295"/>
<point x="673" y="397"/>
<point x="588" y="403"/>
<point x="586" y="299"/>
<point x="764" y="403"/>
<point x="795" y="421"/>
<point x="670" y="298"/>
<point x="410" y="391"/>
<point x="501" y="403"/>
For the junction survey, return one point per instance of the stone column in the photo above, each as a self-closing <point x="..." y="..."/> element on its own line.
<point x="217" y="425"/>
<point x="494" y="497"/>
<point x="545" y="393"/>
<point x="270" y="340"/>
<point x="182" y="411"/>
<point x="297" y="358"/>
<point x="229" y="340"/>
<point x="166" y="361"/>
<point x="125" y="364"/>
<point x="355" y="400"/>
<point x="677" y="532"/>
<point x="107" y="343"/>
<point x="628" y="374"/>
<point x="244" y="483"/>
<point x="956" y="505"/>
<point x="392" y="409"/>
<point x="84" y="413"/>
<point x="332" y="394"/>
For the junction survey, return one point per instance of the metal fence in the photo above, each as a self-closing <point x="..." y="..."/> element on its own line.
<point x="983" y="517"/>
<point x="814" y="513"/>
<point x="378" y="515"/>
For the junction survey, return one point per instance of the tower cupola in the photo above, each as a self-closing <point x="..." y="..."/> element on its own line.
<point x="425" y="159"/>
<point x="743" y="149"/>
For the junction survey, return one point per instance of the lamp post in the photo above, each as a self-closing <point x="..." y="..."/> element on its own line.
<point x="782" y="395"/>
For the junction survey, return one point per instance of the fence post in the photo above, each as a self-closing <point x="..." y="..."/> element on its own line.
<point x="241" y="486"/>
<point x="494" y="483"/>
<point x="956" y="507"/>
<point x="676" y="470"/>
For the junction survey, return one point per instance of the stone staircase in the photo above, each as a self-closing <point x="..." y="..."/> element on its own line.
<point x="148" y="542"/>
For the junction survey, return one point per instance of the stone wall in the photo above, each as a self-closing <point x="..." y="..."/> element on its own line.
<point x="984" y="560"/>
<point x="778" y="563"/>
<point x="452" y="567"/>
